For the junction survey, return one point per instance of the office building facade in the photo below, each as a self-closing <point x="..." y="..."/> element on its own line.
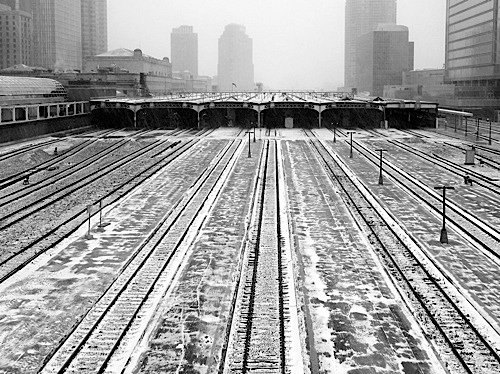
<point x="94" y="27"/>
<point x="184" y="50"/>
<point x="57" y="34"/>
<point x="383" y="56"/>
<point x="473" y="52"/>
<point x="16" y="30"/>
<point x="235" y="70"/>
<point x="362" y="17"/>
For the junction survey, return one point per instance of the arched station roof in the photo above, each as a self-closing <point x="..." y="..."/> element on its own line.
<point x="30" y="87"/>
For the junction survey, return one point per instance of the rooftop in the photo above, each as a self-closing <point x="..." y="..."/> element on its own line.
<point x="24" y="86"/>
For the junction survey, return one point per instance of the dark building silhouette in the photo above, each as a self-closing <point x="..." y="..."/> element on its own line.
<point x="235" y="67"/>
<point x="16" y="33"/>
<point x="383" y="56"/>
<point x="362" y="17"/>
<point x="184" y="50"/>
<point x="94" y="27"/>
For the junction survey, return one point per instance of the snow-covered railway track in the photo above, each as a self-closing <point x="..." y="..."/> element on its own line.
<point x="151" y="271"/>
<point x="10" y="179"/>
<point x="14" y="258"/>
<point x="480" y="231"/>
<point x="461" y="345"/>
<point x="264" y="333"/>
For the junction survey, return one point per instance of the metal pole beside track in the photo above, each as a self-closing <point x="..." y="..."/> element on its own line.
<point x="444" y="234"/>
<point x="249" y="140"/>
<point x="380" y="178"/>
<point x="350" y="133"/>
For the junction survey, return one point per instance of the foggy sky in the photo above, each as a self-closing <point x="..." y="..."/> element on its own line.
<point x="297" y="43"/>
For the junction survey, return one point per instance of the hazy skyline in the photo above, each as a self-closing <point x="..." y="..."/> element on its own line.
<point x="297" y="43"/>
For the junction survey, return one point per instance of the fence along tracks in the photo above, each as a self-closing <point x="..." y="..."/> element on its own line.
<point x="461" y="345"/>
<point x="264" y="333"/>
<point x="93" y="342"/>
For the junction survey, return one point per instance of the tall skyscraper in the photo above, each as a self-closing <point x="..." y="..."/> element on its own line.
<point x="94" y="27"/>
<point x="362" y="17"/>
<point x="235" y="65"/>
<point x="184" y="49"/>
<point x="473" y="53"/>
<point x="57" y="34"/>
<point x="16" y="30"/>
<point x="24" y="5"/>
<point x="383" y="56"/>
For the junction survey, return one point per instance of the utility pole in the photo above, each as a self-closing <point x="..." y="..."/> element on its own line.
<point x="380" y="179"/>
<point x="444" y="235"/>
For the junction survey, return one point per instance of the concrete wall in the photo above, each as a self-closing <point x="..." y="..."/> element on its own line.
<point x="18" y="131"/>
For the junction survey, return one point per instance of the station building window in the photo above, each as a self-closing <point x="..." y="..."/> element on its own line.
<point x="7" y="115"/>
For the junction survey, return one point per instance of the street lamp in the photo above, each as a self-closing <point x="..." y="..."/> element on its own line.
<point x="350" y="133"/>
<point x="249" y="151"/>
<point x="444" y="235"/>
<point x="380" y="179"/>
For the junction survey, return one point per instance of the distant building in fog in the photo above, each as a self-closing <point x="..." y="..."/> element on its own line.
<point x="24" y="5"/>
<point x="383" y="56"/>
<point x="184" y="50"/>
<point x="472" y="53"/>
<point x="362" y="17"/>
<point x="16" y="33"/>
<point x="57" y="34"/>
<point x="129" y="61"/>
<point x="424" y="84"/>
<point x="94" y="27"/>
<point x="235" y="60"/>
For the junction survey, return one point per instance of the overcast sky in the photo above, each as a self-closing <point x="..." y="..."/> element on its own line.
<point x="297" y="43"/>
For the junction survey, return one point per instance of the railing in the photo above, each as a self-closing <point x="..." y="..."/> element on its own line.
<point x="37" y="112"/>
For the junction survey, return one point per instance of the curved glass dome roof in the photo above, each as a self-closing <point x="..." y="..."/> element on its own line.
<point x="30" y="87"/>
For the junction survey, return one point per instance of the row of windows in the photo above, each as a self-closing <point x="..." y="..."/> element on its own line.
<point x="483" y="28"/>
<point x="465" y="10"/>
<point x="454" y="3"/>
<point x="471" y="41"/>
<point x="469" y="22"/>
<point x="484" y="59"/>
<point x="475" y="50"/>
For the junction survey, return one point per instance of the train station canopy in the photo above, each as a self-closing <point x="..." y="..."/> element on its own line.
<point x="263" y="100"/>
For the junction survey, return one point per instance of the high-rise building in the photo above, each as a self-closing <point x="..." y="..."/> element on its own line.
<point x="235" y="67"/>
<point x="57" y="34"/>
<point x="24" y="5"/>
<point x="362" y="17"/>
<point x="16" y="28"/>
<point x="184" y="50"/>
<point x="473" y="52"/>
<point x="383" y="56"/>
<point x="94" y="27"/>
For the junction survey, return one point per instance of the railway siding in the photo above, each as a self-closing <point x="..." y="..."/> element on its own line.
<point x="474" y="274"/>
<point x="357" y="322"/>
<point x="192" y="320"/>
<point x="460" y="343"/>
<point x="92" y="344"/>
<point x="73" y="279"/>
